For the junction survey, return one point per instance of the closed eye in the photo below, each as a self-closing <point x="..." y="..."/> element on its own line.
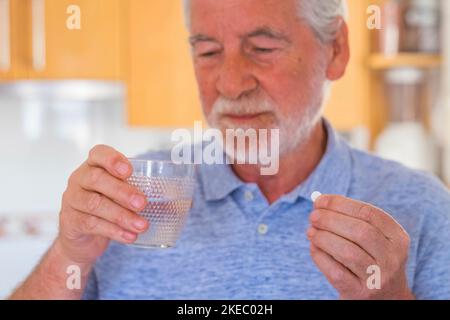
<point x="264" y="50"/>
<point x="208" y="54"/>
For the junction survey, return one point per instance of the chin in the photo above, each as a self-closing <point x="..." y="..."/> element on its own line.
<point x="245" y="124"/>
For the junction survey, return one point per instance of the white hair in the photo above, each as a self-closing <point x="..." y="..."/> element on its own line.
<point x="321" y="15"/>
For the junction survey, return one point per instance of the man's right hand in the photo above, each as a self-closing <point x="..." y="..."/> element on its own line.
<point x="99" y="205"/>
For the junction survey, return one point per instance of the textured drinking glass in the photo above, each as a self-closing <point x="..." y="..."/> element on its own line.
<point x="169" y="189"/>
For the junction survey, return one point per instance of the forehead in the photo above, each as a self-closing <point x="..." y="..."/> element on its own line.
<point x="241" y="16"/>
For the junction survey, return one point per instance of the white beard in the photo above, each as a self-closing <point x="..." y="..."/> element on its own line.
<point x="294" y="131"/>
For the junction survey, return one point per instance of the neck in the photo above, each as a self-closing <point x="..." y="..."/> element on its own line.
<point x="295" y="167"/>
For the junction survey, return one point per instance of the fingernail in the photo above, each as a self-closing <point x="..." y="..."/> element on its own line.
<point x="315" y="216"/>
<point x="137" y="201"/>
<point x="128" y="236"/>
<point x="322" y="202"/>
<point x="122" y="168"/>
<point x="140" y="224"/>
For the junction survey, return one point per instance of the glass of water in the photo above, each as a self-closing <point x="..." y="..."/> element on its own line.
<point x="169" y="189"/>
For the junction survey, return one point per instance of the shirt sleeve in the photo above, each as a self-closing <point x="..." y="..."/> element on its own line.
<point x="91" y="290"/>
<point x="432" y="276"/>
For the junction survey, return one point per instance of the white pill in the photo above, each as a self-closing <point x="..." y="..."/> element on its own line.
<point x="315" y="195"/>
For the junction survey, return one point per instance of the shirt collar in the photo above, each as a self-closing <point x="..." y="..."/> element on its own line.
<point x="218" y="181"/>
<point x="331" y="176"/>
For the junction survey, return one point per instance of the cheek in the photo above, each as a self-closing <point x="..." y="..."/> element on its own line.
<point x="289" y="87"/>
<point x="295" y="79"/>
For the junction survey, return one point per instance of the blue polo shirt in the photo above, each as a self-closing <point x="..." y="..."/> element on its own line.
<point x="237" y="246"/>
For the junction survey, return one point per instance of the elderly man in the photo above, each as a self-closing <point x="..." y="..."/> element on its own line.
<point x="261" y="64"/>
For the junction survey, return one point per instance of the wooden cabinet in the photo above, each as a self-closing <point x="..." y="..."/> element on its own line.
<point x="92" y="51"/>
<point x="161" y="81"/>
<point x="12" y="48"/>
<point x="61" y="39"/>
<point x="141" y="42"/>
<point x="348" y="106"/>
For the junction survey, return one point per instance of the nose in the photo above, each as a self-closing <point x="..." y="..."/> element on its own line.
<point x="235" y="77"/>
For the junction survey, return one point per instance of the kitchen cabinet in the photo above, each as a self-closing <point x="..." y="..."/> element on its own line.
<point x="12" y="49"/>
<point x="140" y="42"/>
<point x="161" y="82"/>
<point x="348" y="105"/>
<point x="92" y="51"/>
<point x="61" y="39"/>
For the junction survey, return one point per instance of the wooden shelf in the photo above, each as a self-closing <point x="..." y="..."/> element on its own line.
<point x="417" y="60"/>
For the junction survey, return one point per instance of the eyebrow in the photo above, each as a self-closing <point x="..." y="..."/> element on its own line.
<point x="201" y="38"/>
<point x="260" y="32"/>
<point x="268" y="33"/>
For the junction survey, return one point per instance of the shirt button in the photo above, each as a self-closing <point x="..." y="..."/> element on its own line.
<point x="248" y="196"/>
<point x="263" y="228"/>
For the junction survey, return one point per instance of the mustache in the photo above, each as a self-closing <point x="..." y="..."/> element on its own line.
<point x="244" y="106"/>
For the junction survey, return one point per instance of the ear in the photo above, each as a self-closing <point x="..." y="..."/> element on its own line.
<point x="340" y="53"/>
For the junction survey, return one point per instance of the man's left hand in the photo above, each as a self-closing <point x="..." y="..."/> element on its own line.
<point x="347" y="237"/>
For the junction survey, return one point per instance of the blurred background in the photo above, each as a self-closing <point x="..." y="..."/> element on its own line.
<point x="75" y="73"/>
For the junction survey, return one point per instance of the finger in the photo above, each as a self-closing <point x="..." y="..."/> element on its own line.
<point x="363" y="211"/>
<point x="111" y="160"/>
<point x="338" y="275"/>
<point x="98" y="180"/>
<point x="92" y="225"/>
<point x="345" y="252"/>
<point x="365" y="235"/>
<point x="98" y="205"/>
